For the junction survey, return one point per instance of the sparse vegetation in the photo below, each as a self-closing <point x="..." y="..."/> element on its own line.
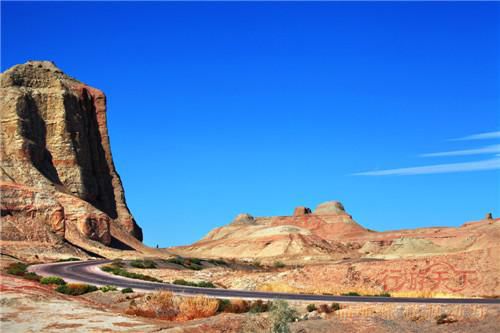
<point x="278" y="264"/>
<point x="69" y="259"/>
<point x="76" y="289"/>
<point x="311" y="307"/>
<point x="165" y="305"/>
<point x="218" y="262"/>
<point x="189" y="263"/>
<point x="259" y="306"/>
<point x="351" y="293"/>
<point x="281" y="315"/>
<point x="143" y="264"/>
<point x="105" y="289"/>
<point x="242" y="306"/>
<point x="127" y="290"/>
<point x="20" y="269"/>
<point x="116" y="270"/>
<point x="52" y="280"/>
<point x="201" y="284"/>
<point x="335" y="306"/>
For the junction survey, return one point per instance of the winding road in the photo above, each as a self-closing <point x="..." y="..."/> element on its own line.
<point x="89" y="272"/>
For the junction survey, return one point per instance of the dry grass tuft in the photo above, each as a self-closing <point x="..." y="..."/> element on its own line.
<point x="197" y="307"/>
<point x="164" y="305"/>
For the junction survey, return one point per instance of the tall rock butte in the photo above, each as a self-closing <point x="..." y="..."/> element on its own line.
<point x="58" y="180"/>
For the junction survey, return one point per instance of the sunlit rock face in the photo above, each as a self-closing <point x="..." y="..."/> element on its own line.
<point x="55" y="156"/>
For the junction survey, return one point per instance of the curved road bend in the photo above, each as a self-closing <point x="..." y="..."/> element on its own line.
<point x="89" y="272"/>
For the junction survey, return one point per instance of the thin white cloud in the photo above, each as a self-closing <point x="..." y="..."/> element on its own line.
<point x="484" y="150"/>
<point x="490" y="164"/>
<point x="480" y="136"/>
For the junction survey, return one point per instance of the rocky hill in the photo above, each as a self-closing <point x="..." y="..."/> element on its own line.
<point x="329" y="233"/>
<point x="59" y="187"/>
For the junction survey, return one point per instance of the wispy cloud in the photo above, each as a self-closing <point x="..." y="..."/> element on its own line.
<point x="480" y="136"/>
<point x="490" y="164"/>
<point x="484" y="150"/>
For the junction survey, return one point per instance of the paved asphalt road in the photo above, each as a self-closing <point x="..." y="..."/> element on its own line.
<point x="89" y="272"/>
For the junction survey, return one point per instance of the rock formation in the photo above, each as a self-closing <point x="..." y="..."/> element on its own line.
<point x="301" y="210"/>
<point x="57" y="171"/>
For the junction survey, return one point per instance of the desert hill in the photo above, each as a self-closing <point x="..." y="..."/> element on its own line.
<point x="330" y="233"/>
<point x="59" y="188"/>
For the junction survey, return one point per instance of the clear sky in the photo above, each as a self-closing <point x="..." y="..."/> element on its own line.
<point x="220" y="108"/>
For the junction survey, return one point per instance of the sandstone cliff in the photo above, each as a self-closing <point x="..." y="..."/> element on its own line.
<point x="58" y="180"/>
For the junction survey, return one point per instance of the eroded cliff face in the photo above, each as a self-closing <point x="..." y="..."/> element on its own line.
<point x="56" y="161"/>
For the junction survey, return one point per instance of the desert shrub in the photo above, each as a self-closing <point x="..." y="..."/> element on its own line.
<point x="20" y="269"/>
<point x="17" y="268"/>
<point x="143" y="264"/>
<point x="201" y="284"/>
<point x="75" y="289"/>
<point x="122" y="272"/>
<point x="52" y="280"/>
<point x="278" y="264"/>
<point x="311" y="307"/>
<point x="195" y="261"/>
<point x="105" y="289"/>
<point x="223" y="305"/>
<point x="383" y="295"/>
<point x="237" y="306"/>
<point x="165" y="305"/>
<point x="351" y="293"/>
<point x="335" y="306"/>
<point x="217" y="262"/>
<point x="445" y="319"/>
<point x="32" y="276"/>
<point x="127" y="290"/>
<point x="197" y="307"/>
<point x="281" y="315"/>
<point x="324" y="308"/>
<point x="69" y="259"/>
<point x="259" y="306"/>
<point x="190" y="263"/>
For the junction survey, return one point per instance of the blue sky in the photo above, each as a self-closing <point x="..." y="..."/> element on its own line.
<point x="220" y="108"/>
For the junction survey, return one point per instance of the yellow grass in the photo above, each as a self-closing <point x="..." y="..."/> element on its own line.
<point x="278" y="287"/>
<point x="165" y="305"/>
<point x="197" y="307"/>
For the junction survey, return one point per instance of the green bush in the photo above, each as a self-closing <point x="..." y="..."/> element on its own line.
<point x="278" y="264"/>
<point x="113" y="269"/>
<point x="17" y="268"/>
<point x="143" y="264"/>
<point x="311" y="307"/>
<point x="281" y="315"/>
<point x="69" y="259"/>
<point x="127" y="290"/>
<point x="75" y="289"/>
<point x="217" y="262"/>
<point x="223" y="305"/>
<point x="105" y="289"/>
<point x="31" y="276"/>
<point x="20" y="269"/>
<point x="189" y="263"/>
<point x="52" y="280"/>
<point x="201" y="284"/>
<point x="335" y="306"/>
<point x="351" y="293"/>
<point x="384" y="295"/>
